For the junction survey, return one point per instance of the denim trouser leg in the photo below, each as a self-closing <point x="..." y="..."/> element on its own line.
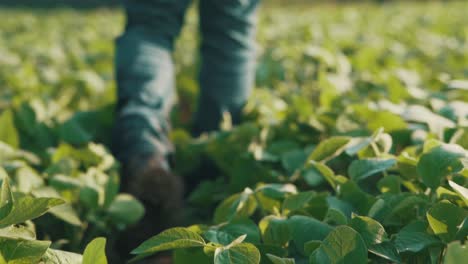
<point x="145" y="70"/>
<point x="228" y="59"/>
<point x="145" y="77"/>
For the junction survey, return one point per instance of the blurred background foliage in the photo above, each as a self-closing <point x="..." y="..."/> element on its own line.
<point x="111" y="3"/>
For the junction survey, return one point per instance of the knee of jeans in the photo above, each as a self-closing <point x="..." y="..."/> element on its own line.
<point x="160" y="19"/>
<point x="228" y="29"/>
<point x="144" y="69"/>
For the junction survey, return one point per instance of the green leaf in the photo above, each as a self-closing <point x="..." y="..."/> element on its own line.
<point x="191" y="255"/>
<point x="440" y="162"/>
<point x="389" y="121"/>
<point x="462" y="232"/>
<point x="27" y="208"/>
<point x="73" y="132"/>
<point x="304" y="229"/>
<point x="18" y="232"/>
<point x="170" y="239"/>
<point x="293" y="160"/>
<point x="111" y="189"/>
<point x="389" y="184"/>
<point x="277" y="260"/>
<point x="8" y="132"/>
<point x="237" y="253"/>
<point x="397" y="208"/>
<point x="414" y="238"/>
<point x="316" y="172"/>
<point x="89" y="196"/>
<point x="275" y="230"/>
<point x="352" y="193"/>
<point x="64" y="212"/>
<point x="371" y="231"/>
<point x="18" y="251"/>
<point x="329" y="148"/>
<point x="311" y="246"/>
<point x="277" y="191"/>
<point x="358" y="144"/>
<point x="297" y="201"/>
<point x="407" y="166"/>
<point x="462" y="191"/>
<point x="444" y="219"/>
<point x="270" y="249"/>
<point x="225" y="234"/>
<point x="335" y="217"/>
<point x="436" y="123"/>
<point x="27" y="179"/>
<point x="125" y="209"/>
<point x="361" y="169"/>
<point x="54" y="256"/>
<point x="236" y="206"/>
<point x="95" y="252"/>
<point x="342" y="245"/>
<point x="456" y="253"/>
<point x="6" y="199"/>
<point x="387" y="251"/>
<point x="269" y="205"/>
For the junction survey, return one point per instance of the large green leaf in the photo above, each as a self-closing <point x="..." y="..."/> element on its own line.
<point x="18" y="251"/>
<point x="304" y="229"/>
<point x="275" y="230"/>
<point x="170" y="239"/>
<point x="445" y="218"/>
<point x="456" y="253"/>
<point x="18" y="232"/>
<point x="371" y="231"/>
<point x="27" y="208"/>
<point x="237" y="253"/>
<point x="342" y="245"/>
<point x="440" y="162"/>
<point x="95" y="252"/>
<point x="361" y="169"/>
<point x="414" y="238"/>
<point x="329" y="148"/>
<point x="53" y="256"/>
<point x="387" y="120"/>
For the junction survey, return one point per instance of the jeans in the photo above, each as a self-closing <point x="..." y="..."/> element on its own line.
<point x="145" y="69"/>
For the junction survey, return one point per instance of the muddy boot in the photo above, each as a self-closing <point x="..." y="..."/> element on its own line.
<point x="149" y="178"/>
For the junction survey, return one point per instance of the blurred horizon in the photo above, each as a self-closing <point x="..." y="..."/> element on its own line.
<point x="117" y="3"/>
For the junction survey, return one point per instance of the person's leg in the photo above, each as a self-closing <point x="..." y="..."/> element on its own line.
<point x="145" y="83"/>
<point x="227" y="72"/>
<point x="145" y="77"/>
